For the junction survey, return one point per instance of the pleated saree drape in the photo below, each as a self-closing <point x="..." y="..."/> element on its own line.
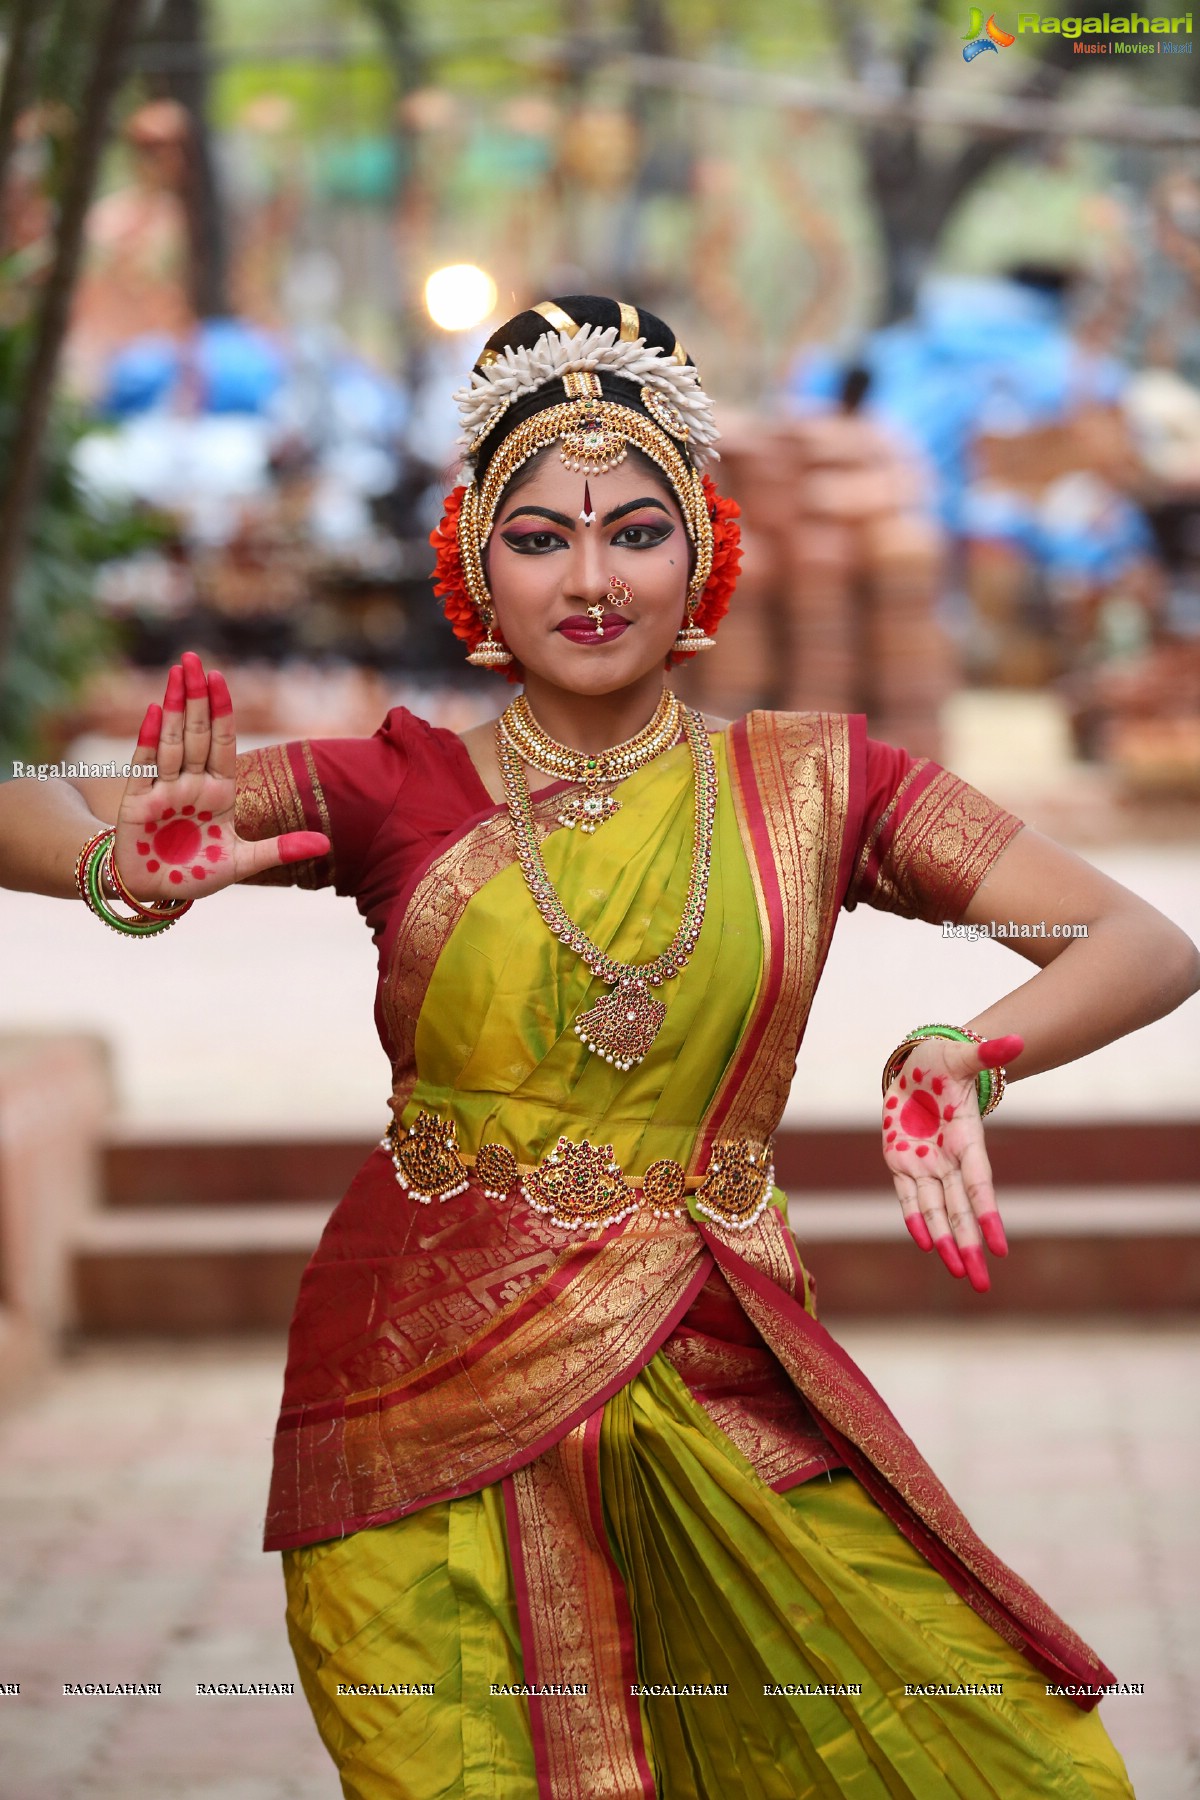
<point x="548" y="1474"/>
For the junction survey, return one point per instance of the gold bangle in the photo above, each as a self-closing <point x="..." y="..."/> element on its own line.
<point x="989" y="1083"/>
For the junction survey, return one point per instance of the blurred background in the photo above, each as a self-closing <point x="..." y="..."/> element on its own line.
<point x="949" y="307"/>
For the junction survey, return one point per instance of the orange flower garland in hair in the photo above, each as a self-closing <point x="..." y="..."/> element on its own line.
<point x="449" y="583"/>
<point x="726" y="564"/>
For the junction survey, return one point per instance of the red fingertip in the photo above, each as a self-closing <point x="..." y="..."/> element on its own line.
<point x="976" y="1266"/>
<point x="173" y="698"/>
<point x="918" y="1231"/>
<point x="995" y="1051"/>
<point x="194" y="684"/>
<point x="993" y="1234"/>
<point x="947" y="1249"/>
<point x="219" y="702"/>
<point x="299" y="846"/>
<point x="150" y="728"/>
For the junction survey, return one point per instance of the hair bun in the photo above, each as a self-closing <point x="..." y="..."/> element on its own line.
<point x="569" y="312"/>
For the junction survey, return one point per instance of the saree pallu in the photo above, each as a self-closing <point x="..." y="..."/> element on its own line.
<point x="526" y="1428"/>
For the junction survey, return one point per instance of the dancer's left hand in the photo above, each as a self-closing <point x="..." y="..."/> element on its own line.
<point x="933" y="1144"/>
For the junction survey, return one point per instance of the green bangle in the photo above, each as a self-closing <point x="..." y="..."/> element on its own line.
<point x="989" y="1083"/>
<point x="93" y="893"/>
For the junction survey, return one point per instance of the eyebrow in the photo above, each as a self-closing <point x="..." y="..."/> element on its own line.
<point x="540" y="512"/>
<point x="557" y="518"/>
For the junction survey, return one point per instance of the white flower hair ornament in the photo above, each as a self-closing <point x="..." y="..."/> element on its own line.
<point x="511" y="373"/>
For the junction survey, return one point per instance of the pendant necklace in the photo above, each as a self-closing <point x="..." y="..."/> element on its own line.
<point x="595" y="775"/>
<point x="622" y="1026"/>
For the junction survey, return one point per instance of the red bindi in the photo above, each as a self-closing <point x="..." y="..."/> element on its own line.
<point x="916" y="1074"/>
<point x="176" y="874"/>
<point x="922" y="1149"/>
<point x="199" y="873"/>
<point x="154" y="867"/>
<point x="937" y="1084"/>
<point x="213" y="830"/>
<point x="902" y="1146"/>
<point x="204" y="815"/>
<point x="892" y="1102"/>
<point x="939" y="1140"/>
<point x="948" y="1113"/>
<point x="213" y="852"/>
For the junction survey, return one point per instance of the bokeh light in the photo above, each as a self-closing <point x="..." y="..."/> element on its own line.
<point x="459" y="297"/>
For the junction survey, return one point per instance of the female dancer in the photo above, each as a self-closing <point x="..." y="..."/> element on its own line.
<point x="576" y="1497"/>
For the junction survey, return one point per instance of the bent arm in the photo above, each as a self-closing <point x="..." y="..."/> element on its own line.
<point x="1133" y="966"/>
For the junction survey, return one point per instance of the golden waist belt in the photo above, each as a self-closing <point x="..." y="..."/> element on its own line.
<point x="582" y="1185"/>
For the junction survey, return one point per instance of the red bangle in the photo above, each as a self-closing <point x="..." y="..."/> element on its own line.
<point x="107" y="831"/>
<point x="145" y="909"/>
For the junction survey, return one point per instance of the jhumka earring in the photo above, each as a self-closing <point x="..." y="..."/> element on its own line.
<point x="690" y="639"/>
<point x="490" y="654"/>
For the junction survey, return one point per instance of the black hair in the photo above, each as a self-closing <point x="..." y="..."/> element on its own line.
<point x="524" y="329"/>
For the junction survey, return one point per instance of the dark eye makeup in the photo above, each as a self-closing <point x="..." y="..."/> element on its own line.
<point x="640" y="534"/>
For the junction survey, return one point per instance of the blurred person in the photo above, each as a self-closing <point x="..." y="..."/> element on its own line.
<point x="134" y="280"/>
<point x="557" y="1398"/>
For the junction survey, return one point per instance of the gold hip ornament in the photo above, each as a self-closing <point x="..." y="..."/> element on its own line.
<point x="581" y="1186"/>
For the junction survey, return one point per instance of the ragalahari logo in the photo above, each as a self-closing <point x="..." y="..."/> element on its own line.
<point x="984" y="37"/>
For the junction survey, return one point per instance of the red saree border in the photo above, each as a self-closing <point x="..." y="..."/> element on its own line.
<point x="277" y="790"/>
<point x="794" y="780"/>
<point x="437" y="898"/>
<point x="586" y="1746"/>
<point x="884" y="1459"/>
<point x="487" y="1406"/>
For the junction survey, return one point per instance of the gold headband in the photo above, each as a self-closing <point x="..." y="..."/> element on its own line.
<point x="595" y="435"/>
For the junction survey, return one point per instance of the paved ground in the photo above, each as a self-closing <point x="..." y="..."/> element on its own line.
<point x="133" y="1482"/>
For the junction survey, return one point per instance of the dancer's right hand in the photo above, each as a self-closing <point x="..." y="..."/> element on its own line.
<point x="175" y="828"/>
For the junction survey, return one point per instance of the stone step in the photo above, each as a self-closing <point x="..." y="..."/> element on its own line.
<point x="150" y="1172"/>
<point x="186" y="1270"/>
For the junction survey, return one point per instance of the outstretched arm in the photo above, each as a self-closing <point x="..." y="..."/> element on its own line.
<point x="175" y="835"/>
<point x="1133" y="966"/>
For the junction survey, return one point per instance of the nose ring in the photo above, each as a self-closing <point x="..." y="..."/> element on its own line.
<point x="619" y="592"/>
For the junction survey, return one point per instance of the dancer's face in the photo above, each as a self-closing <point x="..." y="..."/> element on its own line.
<point x="546" y="567"/>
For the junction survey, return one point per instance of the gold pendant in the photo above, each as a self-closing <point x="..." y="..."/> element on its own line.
<point x="623" y="1025"/>
<point x="588" y="809"/>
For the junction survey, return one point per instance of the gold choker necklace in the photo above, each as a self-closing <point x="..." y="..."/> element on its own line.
<point x="622" y="1026"/>
<point x="595" y="774"/>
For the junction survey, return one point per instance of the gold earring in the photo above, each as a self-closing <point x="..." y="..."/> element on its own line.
<point x="490" y="654"/>
<point x="691" y="639"/>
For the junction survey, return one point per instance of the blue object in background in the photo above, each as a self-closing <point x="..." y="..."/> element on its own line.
<point x="227" y="367"/>
<point x="978" y="355"/>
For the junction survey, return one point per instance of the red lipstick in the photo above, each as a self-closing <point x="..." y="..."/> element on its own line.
<point x="579" y="629"/>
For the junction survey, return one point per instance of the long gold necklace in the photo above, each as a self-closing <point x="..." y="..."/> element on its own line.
<point x="598" y="774"/>
<point x="622" y="1026"/>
